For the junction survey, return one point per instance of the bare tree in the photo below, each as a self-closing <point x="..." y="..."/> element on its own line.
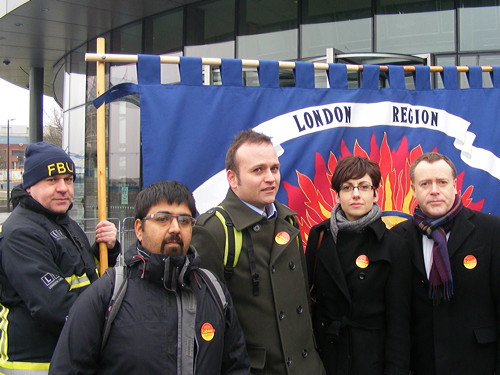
<point x="53" y="127"/>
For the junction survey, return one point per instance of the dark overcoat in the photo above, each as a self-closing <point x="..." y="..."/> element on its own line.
<point x="362" y="311"/>
<point x="459" y="337"/>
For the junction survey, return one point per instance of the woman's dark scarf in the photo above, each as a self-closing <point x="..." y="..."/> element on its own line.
<point x="440" y="277"/>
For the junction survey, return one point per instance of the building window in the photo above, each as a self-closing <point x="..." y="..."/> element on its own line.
<point x="163" y="33"/>
<point x="261" y="16"/>
<point x="479" y="25"/>
<point x="127" y="39"/>
<point x="267" y="30"/>
<point x="343" y="25"/>
<point x="415" y="27"/>
<point x="210" y="22"/>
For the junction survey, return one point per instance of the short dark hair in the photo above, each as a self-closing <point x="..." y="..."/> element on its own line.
<point x="354" y="167"/>
<point x="431" y="157"/>
<point x="163" y="191"/>
<point x="244" y="136"/>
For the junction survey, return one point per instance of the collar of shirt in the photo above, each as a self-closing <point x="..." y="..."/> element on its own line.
<point x="270" y="211"/>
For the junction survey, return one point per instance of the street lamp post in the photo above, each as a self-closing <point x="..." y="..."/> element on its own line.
<point x="8" y="163"/>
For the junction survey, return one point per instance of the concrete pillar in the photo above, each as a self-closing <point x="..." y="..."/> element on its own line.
<point x="36" y="104"/>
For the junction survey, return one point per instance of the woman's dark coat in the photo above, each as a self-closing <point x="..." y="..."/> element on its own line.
<point x="361" y="315"/>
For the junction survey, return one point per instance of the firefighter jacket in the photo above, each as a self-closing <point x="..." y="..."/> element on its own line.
<point x="169" y="322"/>
<point x="276" y="318"/>
<point x="46" y="261"/>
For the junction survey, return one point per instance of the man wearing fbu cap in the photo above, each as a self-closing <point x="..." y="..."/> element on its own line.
<point x="46" y="261"/>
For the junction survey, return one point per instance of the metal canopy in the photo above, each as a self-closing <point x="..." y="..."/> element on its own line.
<point x="40" y="32"/>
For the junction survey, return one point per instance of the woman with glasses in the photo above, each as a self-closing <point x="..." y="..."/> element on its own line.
<point x="359" y="274"/>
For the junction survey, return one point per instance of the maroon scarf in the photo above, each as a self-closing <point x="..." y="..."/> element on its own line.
<point x="440" y="277"/>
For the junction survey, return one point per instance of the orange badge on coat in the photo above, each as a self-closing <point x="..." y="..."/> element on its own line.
<point x="362" y="261"/>
<point x="207" y="332"/>
<point x="282" y="238"/>
<point x="470" y="262"/>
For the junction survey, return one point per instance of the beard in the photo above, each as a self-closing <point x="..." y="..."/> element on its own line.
<point x="167" y="248"/>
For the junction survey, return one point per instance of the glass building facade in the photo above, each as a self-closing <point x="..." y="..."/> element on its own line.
<point x="445" y="32"/>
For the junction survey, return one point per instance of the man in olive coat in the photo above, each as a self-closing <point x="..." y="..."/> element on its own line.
<point x="268" y="283"/>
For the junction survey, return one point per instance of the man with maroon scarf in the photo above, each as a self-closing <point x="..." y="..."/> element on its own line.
<point x="456" y="276"/>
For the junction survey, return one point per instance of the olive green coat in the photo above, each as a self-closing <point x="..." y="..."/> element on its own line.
<point x="276" y="323"/>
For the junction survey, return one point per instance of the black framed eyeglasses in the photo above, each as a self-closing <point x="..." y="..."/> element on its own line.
<point x="347" y="188"/>
<point x="165" y="219"/>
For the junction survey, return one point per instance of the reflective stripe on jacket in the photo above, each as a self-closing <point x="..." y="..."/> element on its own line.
<point x="46" y="262"/>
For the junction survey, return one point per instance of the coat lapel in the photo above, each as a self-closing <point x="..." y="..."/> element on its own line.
<point x="414" y="238"/>
<point x="462" y="228"/>
<point x="331" y="262"/>
<point x="279" y="246"/>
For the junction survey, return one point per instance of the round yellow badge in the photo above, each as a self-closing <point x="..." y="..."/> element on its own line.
<point x="282" y="238"/>
<point x="207" y="331"/>
<point x="362" y="261"/>
<point x="470" y="262"/>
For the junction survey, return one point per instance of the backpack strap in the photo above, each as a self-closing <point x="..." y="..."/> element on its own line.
<point x="119" y="289"/>
<point x="252" y="263"/>
<point x="215" y="289"/>
<point x="233" y="243"/>
<point x="1" y="238"/>
<point x="314" y="256"/>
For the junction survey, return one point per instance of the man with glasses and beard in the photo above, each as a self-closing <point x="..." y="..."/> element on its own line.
<point x="175" y="318"/>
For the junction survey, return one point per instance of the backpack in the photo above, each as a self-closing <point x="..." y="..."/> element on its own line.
<point x="234" y="242"/>
<point x="120" y="276"/>
<point x="233" y="246"/>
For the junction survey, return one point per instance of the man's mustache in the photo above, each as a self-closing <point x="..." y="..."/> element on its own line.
<point x="172" y="239"/>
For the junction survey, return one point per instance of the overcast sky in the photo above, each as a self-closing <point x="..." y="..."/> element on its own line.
<point x="14" y="104"/>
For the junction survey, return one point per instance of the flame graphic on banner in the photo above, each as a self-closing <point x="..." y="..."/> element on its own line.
<point x="313" y="200"/>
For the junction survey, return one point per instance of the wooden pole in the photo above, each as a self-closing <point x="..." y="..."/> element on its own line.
<point x="121" y="58"/>
<point x="101" y="153"/>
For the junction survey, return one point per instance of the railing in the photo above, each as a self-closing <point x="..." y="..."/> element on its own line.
<point x="126" y="233"/>
<point x="88" y="226"/>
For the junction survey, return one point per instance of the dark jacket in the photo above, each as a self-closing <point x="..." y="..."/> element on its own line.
<point x="46" y="262"/>
<point x="362" y="312"/>
<point x="277" y="322"/>
<point x="459" y="337"/>
<point x="158" y="328"/>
